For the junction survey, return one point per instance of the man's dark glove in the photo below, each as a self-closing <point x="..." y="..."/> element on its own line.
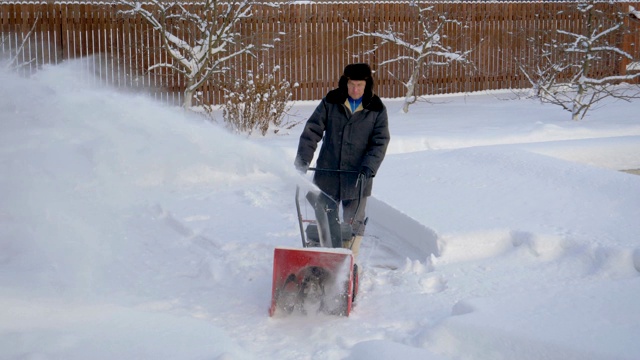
<point x="366" y="171"/>
<point x="364" y="174"/>
<point x="301" y="165"/>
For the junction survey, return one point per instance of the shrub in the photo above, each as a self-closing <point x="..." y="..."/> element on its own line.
<point x="257" y="102"/>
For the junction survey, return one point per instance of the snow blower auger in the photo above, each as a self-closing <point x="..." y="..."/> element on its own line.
<point x="322" y="277"/>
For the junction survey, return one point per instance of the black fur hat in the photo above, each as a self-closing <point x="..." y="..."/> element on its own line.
<point x="359" y="71"/>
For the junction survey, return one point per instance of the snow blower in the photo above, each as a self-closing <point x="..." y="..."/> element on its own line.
<point x="322" y="276"/>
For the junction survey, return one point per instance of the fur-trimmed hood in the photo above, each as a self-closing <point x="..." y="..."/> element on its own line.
<point x="370" y="101"/>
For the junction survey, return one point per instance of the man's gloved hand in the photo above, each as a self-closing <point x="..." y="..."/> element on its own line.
<point x="364" y="174"/>
<point x="301" y="166"/>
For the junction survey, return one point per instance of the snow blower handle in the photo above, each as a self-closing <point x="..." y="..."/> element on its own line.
<point x="360" y="180"/>
<point x="334" y="170"/>
<point x="359" y="185"/>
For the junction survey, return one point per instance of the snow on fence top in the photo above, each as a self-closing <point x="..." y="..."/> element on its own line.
<point x="424" y="2"/>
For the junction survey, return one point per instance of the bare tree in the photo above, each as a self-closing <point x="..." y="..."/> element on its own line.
<point x="564" y="74"/>
<point x="425" y="49"/>
<point x="199" y="38"/>
<point x="13" y="61"/>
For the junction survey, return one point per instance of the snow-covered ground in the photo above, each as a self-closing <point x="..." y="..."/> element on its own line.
<point x="129" y="230"/>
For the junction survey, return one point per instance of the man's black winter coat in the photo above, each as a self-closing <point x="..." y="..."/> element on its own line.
<point x="349" y="142"/>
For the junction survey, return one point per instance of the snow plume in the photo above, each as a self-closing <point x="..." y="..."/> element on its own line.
<point x="106" y="154"/>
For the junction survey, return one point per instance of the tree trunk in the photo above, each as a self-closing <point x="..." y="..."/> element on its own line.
<point x="411" y="86"/>
<point x="188" y="97"/>
<point x="578" y="103"/>
<point x="410" y="97"/>
<point x="189" y="92"/>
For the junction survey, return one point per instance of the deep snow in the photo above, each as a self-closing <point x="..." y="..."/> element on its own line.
<point x="129" y="230"/>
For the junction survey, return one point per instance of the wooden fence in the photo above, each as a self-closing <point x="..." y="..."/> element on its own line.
<point x="312" y="49"/>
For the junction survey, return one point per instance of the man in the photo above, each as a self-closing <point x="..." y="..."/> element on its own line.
<point x="352" y="123"/>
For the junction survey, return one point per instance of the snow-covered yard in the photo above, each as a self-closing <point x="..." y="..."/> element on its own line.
<point x="129" y="230"/>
